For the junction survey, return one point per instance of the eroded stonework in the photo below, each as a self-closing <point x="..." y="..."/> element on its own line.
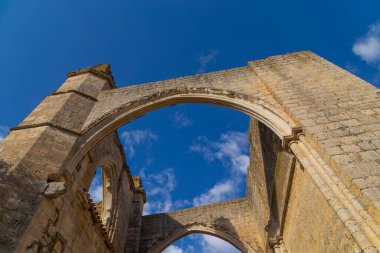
<point x="313" y="181"/>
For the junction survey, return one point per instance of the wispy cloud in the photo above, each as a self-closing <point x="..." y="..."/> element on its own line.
<point x="368" y="49"/>
<point x="205" y="58"/>
<point x="201" y="243"/>
<point x="136" y="137"/>
<point x="184" y="247"/>
<point x="219" y="192"/>
<point x="180" y="120"/>
<point x="96" y="193"/>
<point x="3" y="132"/>
<point x="232" y="150"/>
<point x="173" y="249"/>
<point x="96" y="188"/>
<point x="368" y="46"/>
<point x="159" y="188"/>
<point x="211" y="244"/>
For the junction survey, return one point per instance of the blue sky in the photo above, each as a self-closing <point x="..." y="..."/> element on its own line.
<point x="149" y="40"/>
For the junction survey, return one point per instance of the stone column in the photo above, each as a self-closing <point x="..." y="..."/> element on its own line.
<point x="135" y="222"/>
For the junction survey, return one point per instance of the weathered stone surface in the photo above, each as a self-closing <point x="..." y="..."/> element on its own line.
<point x="306" y="232"/>
<point x="232" y="221"/>
<point x="55" y="189"/>
<point x="312" y="183"/>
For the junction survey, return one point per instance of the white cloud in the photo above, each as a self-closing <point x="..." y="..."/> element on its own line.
<point x="96" y="193"/>
<point x="3" y="132"/>
<point x="232" y="150"/>
<point x="205" y="58"/>
<point x="159" y="188"/>
<point x="180" y="120"/>
<point x="203" y="243"/>
<point x="173" y="249"/>
<point x="368" y="47"/>
<point x="211" y="244"/>
<point x="96" y="187"/>
<point x="136" y="137"/>
<point x="184" y="247"/>
<point x="221" y="191"/>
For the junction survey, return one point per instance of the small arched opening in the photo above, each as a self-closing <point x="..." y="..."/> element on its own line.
<point x="209" y="235"/>
<point x="198" y="242"/>
<point x="102" y="193"/>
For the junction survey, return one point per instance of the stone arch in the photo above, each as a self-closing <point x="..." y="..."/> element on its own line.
<point x="276" y="120"/>
<point x="97" y="128"/>
<point x="284" y="92"/>
<point x="267" y="113"/>
<point x="200" y="229"/>
<point x="231" y="88"/>
<point x="110" y="194"/>
<point x="111" y="167"/>
<point x="231" y="221"/>
<point x="111" y="216"/>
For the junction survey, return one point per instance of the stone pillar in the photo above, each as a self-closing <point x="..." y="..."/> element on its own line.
<point x="260" y="179"/>
<point x="135" y="222"/>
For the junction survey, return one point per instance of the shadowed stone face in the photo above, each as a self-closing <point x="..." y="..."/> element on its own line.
<point x="312" y="182"/>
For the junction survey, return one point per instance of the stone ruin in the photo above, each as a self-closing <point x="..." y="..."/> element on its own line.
<point x="313" y="181"/>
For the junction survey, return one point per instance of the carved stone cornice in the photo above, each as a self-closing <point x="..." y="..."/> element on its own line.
<point x="296" y="133"/>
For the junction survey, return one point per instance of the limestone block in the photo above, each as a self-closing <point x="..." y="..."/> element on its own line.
<point x="55" y="189"/>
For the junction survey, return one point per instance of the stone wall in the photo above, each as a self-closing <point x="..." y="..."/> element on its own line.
<point x="311" y="225"/>
<point x="264" y="146"/>
<point x="324" y="117"/>
<point x="232" y="221"/>
<point x="339" y="112"/>
<point x="43" y="209"/>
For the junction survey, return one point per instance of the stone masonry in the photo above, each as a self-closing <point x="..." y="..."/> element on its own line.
<point x="231" y="221"/>
<point x="313" y="181"/>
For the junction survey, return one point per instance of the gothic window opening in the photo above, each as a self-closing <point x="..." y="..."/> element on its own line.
<point x="96" y="189"/>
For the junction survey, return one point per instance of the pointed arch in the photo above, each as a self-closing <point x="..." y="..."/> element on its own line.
<point x="200" y="229"/>
<point x="99" y="126"/>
